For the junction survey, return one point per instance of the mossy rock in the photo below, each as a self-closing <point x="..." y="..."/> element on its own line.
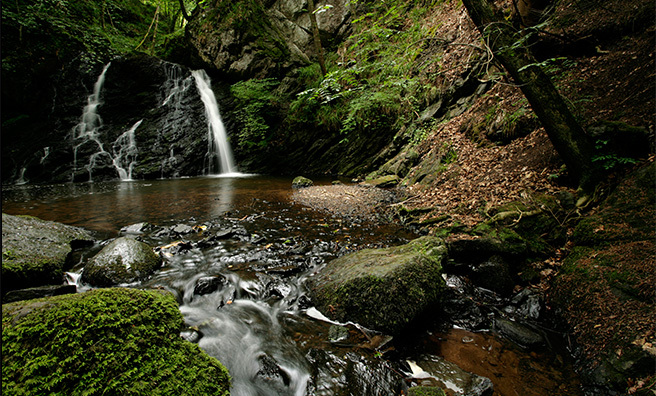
<point x="426" y="391"/>
<point x="301" y="182"/>
<point x="124" y="260"/>
<point x="105" y="341"/>
<point x="384" y="181"/>
<point x="34" y="251"/>
<point x="382" y="289"/>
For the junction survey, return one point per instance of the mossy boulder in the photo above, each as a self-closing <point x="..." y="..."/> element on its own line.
<point x="382" y="289"/>
<point x="34" y="251"/>
<point x="301" y="182"/>
<point x="124" y="260"/>
<point x="104" y="342"/>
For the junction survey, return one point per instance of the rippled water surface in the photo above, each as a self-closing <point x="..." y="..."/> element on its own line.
<point x="241" y="285"/>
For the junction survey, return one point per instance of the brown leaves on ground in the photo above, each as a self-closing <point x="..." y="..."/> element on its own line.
<point x="484" y="177"/>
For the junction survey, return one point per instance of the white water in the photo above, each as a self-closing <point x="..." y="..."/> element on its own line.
<point x="218" y="150"/>
<point x="86" y="131"/>
<point x="125" y="152"/>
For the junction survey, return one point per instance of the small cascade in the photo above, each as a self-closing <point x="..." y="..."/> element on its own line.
<point x="87" y="130"/>
<point x="125" y="152"/>
<point x="218" y="150"/>
<point x="21" y="178"/>
<point x="46" y="153"/>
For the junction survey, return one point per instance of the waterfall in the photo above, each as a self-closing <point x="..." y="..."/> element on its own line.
<point x="218" y="150"/>
<point x="87" y="129"/>
<point x="125" y="152"/>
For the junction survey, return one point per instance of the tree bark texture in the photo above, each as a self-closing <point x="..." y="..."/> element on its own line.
<point x="566" y="134"/>
<point x="317" y="40"/>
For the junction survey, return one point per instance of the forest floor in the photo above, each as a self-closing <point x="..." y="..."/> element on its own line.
<point x="602" y="61"/>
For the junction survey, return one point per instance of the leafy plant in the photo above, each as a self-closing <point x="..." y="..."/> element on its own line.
<point x="255" y="100"/>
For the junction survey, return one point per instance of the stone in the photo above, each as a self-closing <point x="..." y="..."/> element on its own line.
<point x="440" y="372"/>
<point x="38" y="292"/>
<point x="382" y="289"/>
<point x="301" y="182"/>
<point x="35" y="251"/>
<point x="517" y="332"/>
<point x="124" y="260"/>
<point x="209" y="284"/>
<point x="384" y="181"/>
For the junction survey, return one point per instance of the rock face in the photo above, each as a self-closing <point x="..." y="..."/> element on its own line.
<point x="159" y="100"/>
<point x="106" y="341"/>
<point x="263" y="39"/>
<point x="124" y="260"/>
<point x="34" y="251"/>
<point x="382" y="289"/>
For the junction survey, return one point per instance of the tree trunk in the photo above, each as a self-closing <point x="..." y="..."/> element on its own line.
<point x="184" y="11"/>
<point x="566" y="134"/>
<point x="317" y="40"/>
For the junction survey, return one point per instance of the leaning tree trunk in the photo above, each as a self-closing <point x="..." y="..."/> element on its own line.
<point x="317" y="40"/>
<point x="566" y="134"/>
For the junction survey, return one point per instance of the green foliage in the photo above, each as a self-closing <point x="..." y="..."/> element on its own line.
<point x="255" y="100"/>
<point x="33" y="29"/>
<point x="112" y="341"/>
<point x="375" y="90"/>
<point x="610" y="160"/>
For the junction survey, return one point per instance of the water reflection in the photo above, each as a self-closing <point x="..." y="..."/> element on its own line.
<point x="107" y="206"/>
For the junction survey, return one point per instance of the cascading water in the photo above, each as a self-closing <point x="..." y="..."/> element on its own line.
<point x="218" y="150"/>
<point x="86" y="131"/>
<point x="125" y="152"/>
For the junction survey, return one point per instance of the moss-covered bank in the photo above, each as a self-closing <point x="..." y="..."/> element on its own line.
<point x="106" y="341"/>
<point x="606" y="286"/>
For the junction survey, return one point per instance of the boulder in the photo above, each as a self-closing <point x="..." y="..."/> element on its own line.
<point x="124" y="260"/>
<point x="433" y="371"/>
<point x="301" y="182"/>
<point x="382" y="289"/>
<point x="108" y="341"/>
<point x="35" y="251"/>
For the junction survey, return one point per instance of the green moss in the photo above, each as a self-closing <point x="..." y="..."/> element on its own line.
<point x="106" y="341"/>
<point x="384" y="289"/>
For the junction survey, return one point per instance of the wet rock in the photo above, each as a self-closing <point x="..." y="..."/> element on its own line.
<point x="209" y="284"/>
<point x="38" y="292"/>
<point x="35" y="252"/>
<point x="529" y="304"/>
<point x="349" y="373"/>
<point x="517" y="332"/>
<point x="174" y="248"/>
<point x="278" y="289"/>
<point x="301" y="182"/>
<point x="494" y="274"/>
<point x="124" y="260"/>
<point x="138" y="228"/>
<point x="434" y="371"/>
<point x="382" y="289"/>
<point x="337" y="334"/>
<point x="272" y="373"/>
<point x="182" y="229"/>
<point x="191" y="335"/>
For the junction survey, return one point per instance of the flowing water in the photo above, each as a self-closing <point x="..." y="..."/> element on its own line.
<point x="240" y="279"/>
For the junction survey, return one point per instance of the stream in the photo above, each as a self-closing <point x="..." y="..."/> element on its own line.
<point x="238" y="252"/>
